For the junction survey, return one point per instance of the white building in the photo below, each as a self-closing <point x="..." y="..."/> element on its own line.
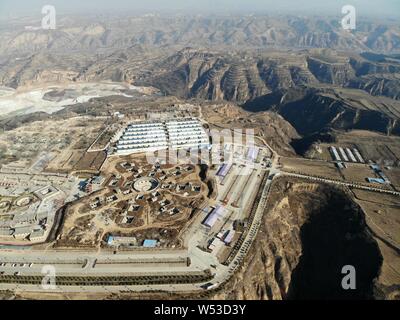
<point x="343" y="154"/>
<point x="351" y="155"/>
<point x="185" y="133"/>
<point x="37" y="235"/>
<point x="335" y="154"/>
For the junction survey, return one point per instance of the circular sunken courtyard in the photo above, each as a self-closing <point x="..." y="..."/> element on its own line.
<point x="146" y="184"/>
<point x="24" y="201"/>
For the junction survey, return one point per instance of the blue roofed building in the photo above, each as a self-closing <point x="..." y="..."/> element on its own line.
<point x="110" y="240"/>
<point x="376" y="180"/>
<point x="148" y="243"/>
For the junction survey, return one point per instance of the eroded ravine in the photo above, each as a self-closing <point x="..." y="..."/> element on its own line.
<point x="309" y="233"/>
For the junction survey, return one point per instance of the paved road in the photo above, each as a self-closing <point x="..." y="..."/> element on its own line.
<point x="341" y="183"/>
<point x="88" y="263"/>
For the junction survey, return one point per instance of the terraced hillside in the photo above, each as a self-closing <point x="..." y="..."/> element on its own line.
<point x="238" y="77"/>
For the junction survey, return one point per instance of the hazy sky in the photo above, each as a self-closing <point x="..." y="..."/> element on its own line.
<point x="328" y="7"/>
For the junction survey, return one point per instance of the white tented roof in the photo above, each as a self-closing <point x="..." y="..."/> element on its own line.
<point x="158" y="135"/>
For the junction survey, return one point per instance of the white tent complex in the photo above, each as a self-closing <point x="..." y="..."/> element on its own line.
<point x="147" y="136"/>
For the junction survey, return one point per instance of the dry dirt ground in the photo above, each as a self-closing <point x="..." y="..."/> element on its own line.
<point x="84" y="226"/>
<point x="305" y="225"/>
<point x="382" y="216"/>
<point x="63" y="140"/>
<point x="355" y="172"/>
<point x="307" y="229"/>
<point x="313" y="168"/>
<point x="270" y="126"/>
<point x="373" y="146"/>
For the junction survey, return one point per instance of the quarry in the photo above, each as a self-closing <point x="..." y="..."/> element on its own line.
<point x="54" y="98"/>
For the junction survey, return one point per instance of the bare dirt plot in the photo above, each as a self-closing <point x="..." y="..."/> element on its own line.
<point x="358" y="172"/>
<point x="372" y="146"/>
<point x="378" y="198"/>
<point x="103" y="139"/>
<point x="65" y="161"/>
<point x="52" y="136"/>
<point x="267" y="125"/>
<point x="122" y="209"/>
<point x="395" y="149"/>
<point x="322" y="153"/>
<point x="376" y="152"/>
<point x="91" y="161"/>
<point x="382" y="215"/>
<point x="312" y="168"/>
<point x="389" y="275"/>
<point x="394" y="176"/>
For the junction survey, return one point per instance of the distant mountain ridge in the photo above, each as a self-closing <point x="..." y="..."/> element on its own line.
<point x="296" y="66"/>
<point x="314" y="90"/>
<point x="77" y="33"/>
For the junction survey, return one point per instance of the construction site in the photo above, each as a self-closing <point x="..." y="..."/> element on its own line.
<point x="112" y="213"/>
<point x="29" y="205"/>
<point x="188" y="216"/>
<point x="136" y="199"/>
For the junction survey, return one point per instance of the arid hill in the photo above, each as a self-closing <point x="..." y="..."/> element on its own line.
<point x="309" y="233"/>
